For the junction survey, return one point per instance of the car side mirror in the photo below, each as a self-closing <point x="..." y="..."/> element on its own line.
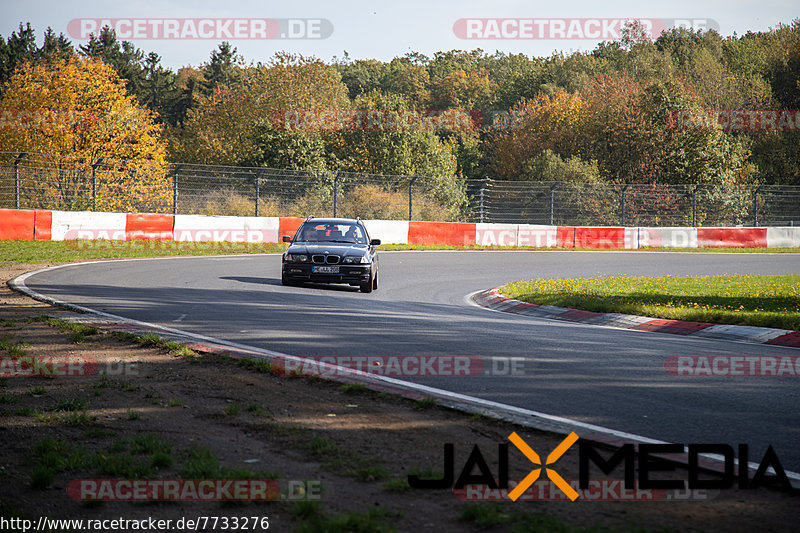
<point x="374" y="242"/>
<point x="286" y="238"/>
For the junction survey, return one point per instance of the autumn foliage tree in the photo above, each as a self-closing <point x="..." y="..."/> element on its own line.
<point x="389" y="149"/>
<point x="465" y="89"/>
<point x="78" y="112"/>
<point x="226" y="127"/>
<point x="546" y="122"/>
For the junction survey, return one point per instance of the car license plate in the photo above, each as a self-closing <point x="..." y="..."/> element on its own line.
<point x="325" y="269"/>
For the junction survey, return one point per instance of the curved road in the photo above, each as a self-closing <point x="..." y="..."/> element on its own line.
<point x="608" y="377"/>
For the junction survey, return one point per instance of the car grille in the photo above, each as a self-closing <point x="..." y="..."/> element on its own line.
<point x="329" y="259"/>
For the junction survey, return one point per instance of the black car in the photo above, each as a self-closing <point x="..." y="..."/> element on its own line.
<point x="331" y="250"/>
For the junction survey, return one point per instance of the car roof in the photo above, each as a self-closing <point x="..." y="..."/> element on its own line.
<point x="333" y="221"/>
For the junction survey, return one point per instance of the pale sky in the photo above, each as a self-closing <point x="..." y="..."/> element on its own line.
<point x="377" y="29"/>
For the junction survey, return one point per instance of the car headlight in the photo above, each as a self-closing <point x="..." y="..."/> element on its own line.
<point x="297" y="258"/>
<point x="354" y="259"/>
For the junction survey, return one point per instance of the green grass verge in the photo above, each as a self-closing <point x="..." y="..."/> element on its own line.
<point x="142" y="456"/>
<point x="788" y="250"/>
<point x="478" y="247"/>
<point x="32" y="252"/>
<point x="768" y="301"/>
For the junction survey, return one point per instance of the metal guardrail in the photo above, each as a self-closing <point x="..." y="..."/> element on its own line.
<point x="30" y="180"/>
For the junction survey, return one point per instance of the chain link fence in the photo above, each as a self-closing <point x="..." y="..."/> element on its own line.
<point x="43" y="181"/>
<point x="564" y="203"/>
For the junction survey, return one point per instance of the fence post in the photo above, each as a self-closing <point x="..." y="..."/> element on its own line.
<point x="480" y="204"/>
<point x="622" y="200"/>
<point x="552" y="201"/>
<point x="487" y="182"/>
<point x="258" y="191"/>
<point x="20" y="157"/>
<point x="94" y="183"/>
<point x="694" y="206"/>
<point x="482" y="199"/>
<point x="335" y="194"/>
<point x="410" y="196"/>
<point x="175" y="190"/>
<point x="755" y="204"/>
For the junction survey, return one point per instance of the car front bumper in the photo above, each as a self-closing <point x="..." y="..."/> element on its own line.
<point x="347" y="273"/>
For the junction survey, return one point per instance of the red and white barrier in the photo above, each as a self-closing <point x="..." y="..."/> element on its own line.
<point x="600" y="237"/>
<point x="30" y="224"/>
<point x="732" y="237"/>
<point x="516" y="235"/>
<point x="149" y="226"/>
<point x="18" y="224"/>
<point x="496" y="234"/>
<point x="388" y="231"/>
<point x="783" y="237"/>
<point x="288" y="226"/>
<point x="202" y="228"/>
<point x="631" y="238"/>
<point x="536" y="235"/>
<point x="667" y="237"/>
<point x="71" y="225"/>
<point x="441" y="233"/>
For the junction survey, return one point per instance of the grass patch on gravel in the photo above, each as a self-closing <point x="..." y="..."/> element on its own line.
<point x="768" y="301"/>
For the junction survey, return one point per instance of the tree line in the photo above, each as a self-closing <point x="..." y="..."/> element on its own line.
<point x="602" y="116"/>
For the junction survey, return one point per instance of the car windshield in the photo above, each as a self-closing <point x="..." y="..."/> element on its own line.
<point x="331" y="232"/>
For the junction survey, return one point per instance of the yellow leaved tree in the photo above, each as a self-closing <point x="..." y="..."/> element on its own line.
<point x="225" y="127"/>
<point x="90" y="145"/>
<point x="543" y="123"/>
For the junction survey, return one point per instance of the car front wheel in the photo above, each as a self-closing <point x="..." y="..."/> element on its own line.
<point x="370" y="284"/>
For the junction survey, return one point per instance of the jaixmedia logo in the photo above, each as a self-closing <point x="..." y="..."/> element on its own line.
<point x="640" y="467"/>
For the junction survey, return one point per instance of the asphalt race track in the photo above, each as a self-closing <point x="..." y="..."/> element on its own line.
<point x="609" y="377"/>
